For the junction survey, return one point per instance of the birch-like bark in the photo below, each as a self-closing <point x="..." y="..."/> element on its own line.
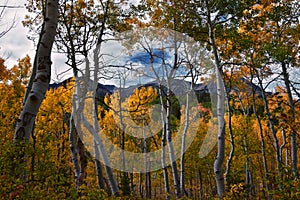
<point x="247" y="171"/>
<point x="182" y="189"/>
<point x="220" y="109"/>
<point x="169" y="77"/>
<point x="170" y="143"/>
<point x="94" y="130"/>
<point x="34" y="67"/>
<point x="163" y="122"/>
<point x="41" y="82"/>
<point x="284" y="142"/>
<point x="183" y="138"/>
<point x="111" y="179"/>
<point x="221" y="137"/>
<point x="83" y="162"/>
<point x="73" y="135"/>
<point x="74" y="148"/>
<point x="292" y="107"/>
<point x="232" y="147"/>
<point x="147" y="174"/>
<point x="77" y="114"/>
<point x="163" y="151"/>
<point x="99" y="172"/>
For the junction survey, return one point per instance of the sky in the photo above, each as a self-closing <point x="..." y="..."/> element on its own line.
<point x="15" y="45"/>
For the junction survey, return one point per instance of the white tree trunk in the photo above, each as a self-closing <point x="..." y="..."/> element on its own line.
<point x="170" y="143"/>
<point x="292" y="107"/>
<point x="163" y="143"/>
<point x="40" y="85"/>
<point x="183" y="142"/>
<point x="232" y="144"/>
<point x="271" y="126"/>
<point x="221" y="137"/>
<point x="220" y="110"/>
<point x="94" y="130"/>
<point x="74" y="148"/>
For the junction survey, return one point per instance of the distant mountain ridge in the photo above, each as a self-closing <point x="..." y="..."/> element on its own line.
<point x="178" y="87"/>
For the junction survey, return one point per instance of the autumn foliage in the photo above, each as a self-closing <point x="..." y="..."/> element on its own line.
<point x="257" y="44"/>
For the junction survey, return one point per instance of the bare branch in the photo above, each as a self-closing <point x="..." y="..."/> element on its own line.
<point x="12" y="24"/>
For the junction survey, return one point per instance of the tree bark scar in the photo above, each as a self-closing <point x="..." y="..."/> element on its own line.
<point x="20" y="133"/>
<point x="27" y="118"/>
<point x="41" y="64"/>
<point x="42" y="78"/>
<point x="33" y="97"/>
<point x="44" y="45"/>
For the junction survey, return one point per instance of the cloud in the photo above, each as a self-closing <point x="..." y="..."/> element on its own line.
<point x="15" y="45"/>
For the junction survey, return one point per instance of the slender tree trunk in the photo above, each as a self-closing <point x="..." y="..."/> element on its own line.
<point x="148" y="185"/>
<point x="170" y="143"/>
<point x="182" y="189"/>
<point x="99" y="172"/>
<point x="283" y="144"/>
<point x="220" y="109"/>
<point x="262" y="140"/>
<point x="164" y="124"/>
<point x="201" y="186"/>
<point x="247" y="172"/>
<point x="163" y="161"/>
<point x="77" y="146"/>
<point x="141" y="185"/>
<point x="163" y="144"/>
<point x="272" y="128"/>
<point x="111" y="179"/>
<point x="72" y="131"/>
<point x="124" y="175"/>
<point x="74" y="148"/>
<point x="94" y="130"/>
<point x="292" y="107"/>
<point x="221" y="137"/>
<point x="83" y="162"/>
<point x="248" y="176"/>
<point x="131" y="182"/>
<point x="146" y="162"/>
<point x="232" y="147"/>
<point x="41" y="82"/>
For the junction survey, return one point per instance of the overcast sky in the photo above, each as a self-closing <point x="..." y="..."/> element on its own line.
<point x="15" y="45"/>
